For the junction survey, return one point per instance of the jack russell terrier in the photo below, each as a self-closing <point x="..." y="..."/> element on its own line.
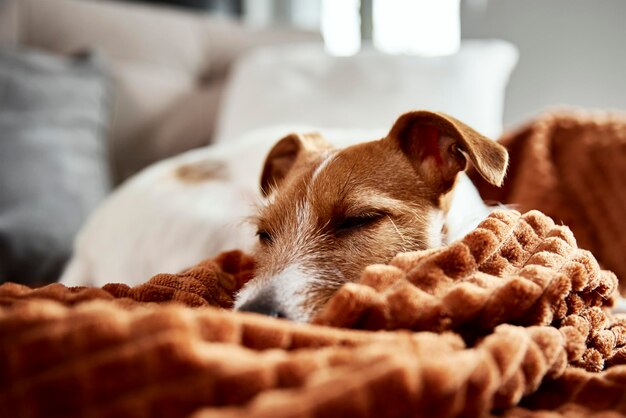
<point x="331" y="212"/>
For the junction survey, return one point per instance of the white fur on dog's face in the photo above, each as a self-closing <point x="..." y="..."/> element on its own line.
<point x="331" y="213"/>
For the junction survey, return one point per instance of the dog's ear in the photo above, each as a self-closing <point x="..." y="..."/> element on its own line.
<point x="285" y="154"/>
<point x="439" y="146"/>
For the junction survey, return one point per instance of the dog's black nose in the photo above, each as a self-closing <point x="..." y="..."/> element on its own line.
<point x="264" y="305"/>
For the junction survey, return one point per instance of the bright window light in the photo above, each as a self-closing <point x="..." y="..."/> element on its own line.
<point x="341" y="26"/>
<point x="425" y="27"/>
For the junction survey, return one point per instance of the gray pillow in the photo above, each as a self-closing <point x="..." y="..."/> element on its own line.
<point x="53" y="158"/>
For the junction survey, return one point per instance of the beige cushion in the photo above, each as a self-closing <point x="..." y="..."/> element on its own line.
<point x="168" y="66"/>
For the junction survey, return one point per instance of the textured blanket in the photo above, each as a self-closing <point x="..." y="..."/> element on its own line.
<point x="572" y="167"/>
<point x="511" y="321"/>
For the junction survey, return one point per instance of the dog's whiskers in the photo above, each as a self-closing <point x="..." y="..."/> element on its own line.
<point x="404" y="241"/>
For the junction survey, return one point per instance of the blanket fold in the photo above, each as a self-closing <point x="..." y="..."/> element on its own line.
<point x="513" y="320"/>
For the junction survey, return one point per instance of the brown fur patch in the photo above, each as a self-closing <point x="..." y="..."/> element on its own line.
<point x="369" y="178"/>
<point x="202" y="171"/>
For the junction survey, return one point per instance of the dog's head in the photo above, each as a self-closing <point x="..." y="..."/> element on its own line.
<point x="330" y="213"/>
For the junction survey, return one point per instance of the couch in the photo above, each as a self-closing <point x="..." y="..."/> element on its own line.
<point x="169" y="66"/>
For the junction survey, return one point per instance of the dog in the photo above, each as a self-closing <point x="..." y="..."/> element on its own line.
<point x="331" y="212"/>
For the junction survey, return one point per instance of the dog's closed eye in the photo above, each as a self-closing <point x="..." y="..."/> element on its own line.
<point x="352" y="223"/>
<point x="264" y="236"/>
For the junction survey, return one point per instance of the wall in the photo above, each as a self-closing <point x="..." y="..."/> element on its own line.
<point x="571" y="51"/>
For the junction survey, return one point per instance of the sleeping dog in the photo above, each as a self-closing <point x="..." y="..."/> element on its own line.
<point x="331" y="212"/>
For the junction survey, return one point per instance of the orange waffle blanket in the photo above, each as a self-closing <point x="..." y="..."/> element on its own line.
<point x="511" y="321"/>
<point x="572" y="167"/>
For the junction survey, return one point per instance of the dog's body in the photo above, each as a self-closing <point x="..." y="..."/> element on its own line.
<point x="330" y="212"/>
<point x="181" y="210"/>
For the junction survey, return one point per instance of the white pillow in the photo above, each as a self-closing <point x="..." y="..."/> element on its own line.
<point x="302" y="84"/>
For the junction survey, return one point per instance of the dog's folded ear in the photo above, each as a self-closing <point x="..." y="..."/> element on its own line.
<point x="284" y="155"/>
<point x="439" y="145"/>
